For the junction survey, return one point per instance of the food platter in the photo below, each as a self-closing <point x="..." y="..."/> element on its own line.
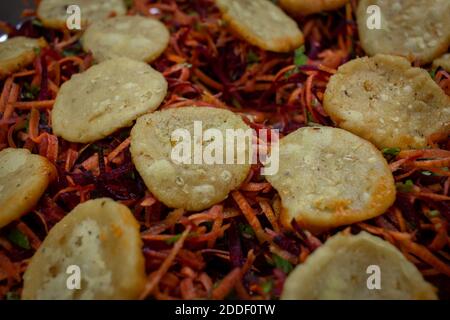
<point x="212" y="149"/>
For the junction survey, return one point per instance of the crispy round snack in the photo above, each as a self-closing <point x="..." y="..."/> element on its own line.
<point x="305" y="7"/>
<point x="443" y="62"/>
<point x="24" y="177"/>
<point x="339" y="270"/>
<point x="18" y="52"/>
<point x="419" y="29"/>
<point x="102" y="238"/>
<point x="106" y="97"/>
<point x="53" y="13"/>
<point x="386" y="101"/>
<point x="135" y="37"/>
<point x="192" y="185"/>
<point x="262" y="24"/>
<point x="329" y="177"/>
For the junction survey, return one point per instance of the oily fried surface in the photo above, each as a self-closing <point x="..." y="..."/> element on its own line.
<point x="189" y="186"/>
<point x="18" y="52"/>
<point x="53" y="13"/>
<point x="337" y="271"/>
<point x="108" y="96"/>
<point x="419" y="29"/>
<point x="23" y="179"/>
<point x="262" y="24"/>
<point x="135" y="37"/>
<point x="320" y="179"/>
<point x="102" y="238"/>
<point x="386" y="101"/>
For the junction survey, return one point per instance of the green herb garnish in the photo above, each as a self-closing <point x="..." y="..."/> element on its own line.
<point x="300" y="58"/>
<point x="282" y="264"/>
<point x="433" y="72"/>
<point x="19" y="239"/>
<point x="391" y="151"/>
<point x="405" y="186"/>
<point x="433" y="213"/>
<point x="177" y="237"/>
<point x="252" y="57"/>
<point x="267" y="286"/>
<point x="29" y="92"/>
<point x="246" y="229"/>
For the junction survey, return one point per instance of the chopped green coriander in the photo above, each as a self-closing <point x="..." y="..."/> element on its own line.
<point x="73" y="50"/>
<point x="391" y="151"/>
<point x="29" y="92"/>
<point x="433" y="72"/>
<point x="37" y="23"/>
<point x="267" y="286"/>
<point x="186" y="65"/>
<point x="300" y="58"/>
<point x="405" y="186"/>
<point x="177" y="237"/>
<point x="246" y="229"/>
<point x="173" y="239"/>
<point x="282" y="264"/>
<point x="252" y="57"/>
<point x="19" y="239"/>
<point x="433" y="213"/>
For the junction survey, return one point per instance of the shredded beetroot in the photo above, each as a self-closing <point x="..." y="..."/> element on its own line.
<point x="195" y="253"/>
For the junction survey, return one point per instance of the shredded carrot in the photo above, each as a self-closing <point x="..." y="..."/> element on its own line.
<point x="5" y="94"/>
<point x="205" y="65"/>
<point x="33" y="124"/>
<point x="218" y="211"/>
<point x="171" y="219"/>
<point x="187" y="289"/>
<point x="249" y="215"/>
<point x="153" y="279"/>
<point x="255" y="187"/>
<point x="207" y="80"/>
<point x="24" y="74"/>
<point x="425" y="153"/>
<point x="124" y="145"/>
<point x="432" y="163"/>
<point x="34" y="239"/>
<point x="441" y="238"/>
<point x="424" y="254"/>
<point x="267" y="209"/>
<point x="12" y="98"/>
<point x="34" y="104"/>
<point x="226" y="285"/>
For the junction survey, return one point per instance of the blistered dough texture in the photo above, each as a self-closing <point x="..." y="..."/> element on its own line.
<point x="135" y="37"/>
<point x="305" y="7"/>
<point x="18" y="52"/>
<point x="419" y="29"/>
<point x="102" y="238"/>
<point x="262" y="24"/>
<point x="24" y="177"/>
<point x="329" y="177"/>
<point x="53" y="13"/>
<point x="186" y="185"/>
<point x="339" y="271"/>
<point x="386" y="101"/>
<point x="106" y="97"/>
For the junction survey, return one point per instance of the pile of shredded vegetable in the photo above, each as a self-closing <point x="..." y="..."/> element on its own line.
<point x="237" y="249"/>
